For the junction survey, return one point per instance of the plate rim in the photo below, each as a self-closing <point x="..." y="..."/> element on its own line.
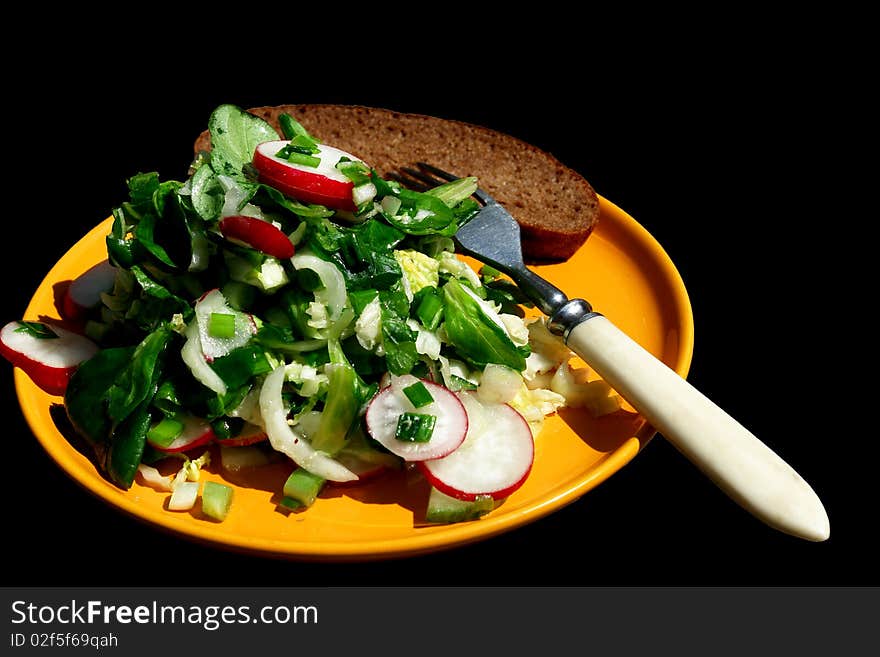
<point x="451" y="536"/>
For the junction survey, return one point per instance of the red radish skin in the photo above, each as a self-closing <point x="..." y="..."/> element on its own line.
<point x="48" y="362"/>
<point x="387" y="406"/>
<point x="84" y="292"/>
<point x="258" y="234"/>
<point x="196" y="433"/>
<point x="323" y="184"/>
<point x="495" y="459"/>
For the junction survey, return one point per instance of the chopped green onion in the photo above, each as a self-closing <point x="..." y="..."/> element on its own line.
<point x="216" y="500"/>
<point x="296" y="157"/>
<point x="430" y="307"/>
<point x="304" y="144"/>
<point x="291" y="504"/>
<point x="292" y="128"/>
<point x="221" y="325"/>
<point x="418" y="394"/>
<point x="36" y="330"/>
<point x="303" y="486"/>
<point x="453" y="193"/>
<point x="415" y="427"/>
<point x="457" y="383"/>
<point x="164" y="433"/>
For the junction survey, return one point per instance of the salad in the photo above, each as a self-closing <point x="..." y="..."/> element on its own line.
<point x="286" y="302"/>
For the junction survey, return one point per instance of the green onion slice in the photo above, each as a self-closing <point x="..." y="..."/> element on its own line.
<point x="415" y="427"/>
<point x="418" y="394"/>
<point x="221" y="325"/>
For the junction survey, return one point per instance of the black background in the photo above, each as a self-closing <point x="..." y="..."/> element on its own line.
<point x="725" y="159"/>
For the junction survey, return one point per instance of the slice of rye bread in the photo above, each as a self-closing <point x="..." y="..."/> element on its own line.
<point x="555" y="206"/>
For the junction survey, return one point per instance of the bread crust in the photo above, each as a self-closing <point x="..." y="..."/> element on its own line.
<point x="556" y="207"/>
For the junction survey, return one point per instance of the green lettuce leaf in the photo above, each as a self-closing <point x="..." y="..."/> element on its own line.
<point x="235" y="135"/>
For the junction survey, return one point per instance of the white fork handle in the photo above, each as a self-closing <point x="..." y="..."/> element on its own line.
<point x="741" y="465"/>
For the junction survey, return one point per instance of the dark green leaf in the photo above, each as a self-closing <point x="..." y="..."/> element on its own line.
<point x="240" y="365"/>
<point x="398" y="339"/>
<point x="144" y="233"/>
<point x="139" y="380"/>
<point x="127" y="446"/>
<point x="86" y="396"/>
<point x="141" y="188"/>
<point x="299" y="209"/>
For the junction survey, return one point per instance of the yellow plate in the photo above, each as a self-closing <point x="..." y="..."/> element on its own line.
<point x="621" y="270"/>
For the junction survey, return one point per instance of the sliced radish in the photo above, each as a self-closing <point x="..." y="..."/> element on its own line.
<point x="364" y="460"/>
<point x="196" y="432"/>
<point x="85" y="291"/>
<point x="212" y="346"/>
<point x="191" y="354"/>
<point x="495" y="458"/>
<point x="323" y="184"/>
<point x="49" y="361"/>
<point x="365" y="470"/>
<point x="249" y="435"/>
<point x="386" y="407"/>
<point x="285" y="440"/>
<point x="258" y="234"/>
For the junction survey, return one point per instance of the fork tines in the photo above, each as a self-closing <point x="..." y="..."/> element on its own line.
<point x="415" y="179"/>
<point x="427" y="176"/>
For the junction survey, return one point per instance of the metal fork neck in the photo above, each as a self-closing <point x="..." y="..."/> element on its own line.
<point x="546" y="296"/>
<point x="563" y="313"/>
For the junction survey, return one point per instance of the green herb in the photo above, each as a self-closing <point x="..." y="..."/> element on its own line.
<point x="415" y="427"/>
<point x="37" y="330"/>
<point x="418" y="394"/>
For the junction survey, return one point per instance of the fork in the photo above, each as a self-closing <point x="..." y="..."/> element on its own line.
<point x="740" y="464"/>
